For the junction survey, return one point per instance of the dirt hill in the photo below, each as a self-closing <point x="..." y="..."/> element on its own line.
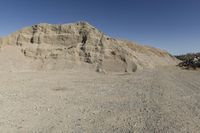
<point x="77" y="45"/>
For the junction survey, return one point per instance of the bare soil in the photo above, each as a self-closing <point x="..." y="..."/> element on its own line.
<point x="161" y="100"/>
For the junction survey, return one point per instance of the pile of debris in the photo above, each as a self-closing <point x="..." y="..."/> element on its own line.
<point x="189" y="61"/>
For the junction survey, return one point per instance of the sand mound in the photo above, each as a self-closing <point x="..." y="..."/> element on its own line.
<point x="76" y="45"/>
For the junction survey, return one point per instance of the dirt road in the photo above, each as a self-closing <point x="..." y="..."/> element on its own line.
<point x="162" y="100"/>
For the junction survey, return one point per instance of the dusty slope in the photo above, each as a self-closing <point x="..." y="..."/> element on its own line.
<point x="153" y="100"/>
<point x="76" y="45"/>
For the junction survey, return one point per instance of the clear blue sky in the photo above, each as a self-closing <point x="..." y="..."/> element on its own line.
<point x="173" y="25"/>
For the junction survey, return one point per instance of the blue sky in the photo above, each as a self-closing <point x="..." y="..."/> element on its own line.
<point x="173" y="25"/>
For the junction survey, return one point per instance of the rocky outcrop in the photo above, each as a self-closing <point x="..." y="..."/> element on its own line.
<point x="191" y="60"/>
<point x="77" y="45"/>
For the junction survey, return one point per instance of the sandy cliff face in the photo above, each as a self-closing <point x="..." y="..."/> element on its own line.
<point x="78" y="45"/>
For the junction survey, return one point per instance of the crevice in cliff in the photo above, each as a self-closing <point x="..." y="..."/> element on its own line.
<point x="35" y="29"/>
<point x="99" y="63"/>
<point x="18" y="43"/>
<point x="87" y="56"/>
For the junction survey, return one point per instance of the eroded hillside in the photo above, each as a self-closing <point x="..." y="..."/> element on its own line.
<point x="77" y="45"/>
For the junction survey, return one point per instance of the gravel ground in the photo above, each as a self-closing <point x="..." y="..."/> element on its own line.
<point x="162" y="100"/>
